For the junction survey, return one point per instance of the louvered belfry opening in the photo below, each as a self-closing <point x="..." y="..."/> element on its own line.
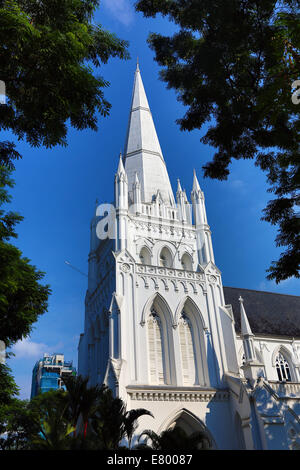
<point x="188" y="357"/>
<point x="155" y="348"/>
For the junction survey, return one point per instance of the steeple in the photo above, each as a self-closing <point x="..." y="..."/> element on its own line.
<point x="180" y="201"/>
<point x="121" y="170"/>
<point x="247" y="334"/>
<point x="179" y="188"/>
<point x="136" y="190"/>
<point x="252" y="368"/>
<point x="121" y="186"/>
<point x="143" y="153"/>
<point x="245" y="327"/>
<point x="196" y="185"/>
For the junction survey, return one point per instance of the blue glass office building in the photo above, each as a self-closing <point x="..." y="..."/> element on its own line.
<point x="48" y="373"/>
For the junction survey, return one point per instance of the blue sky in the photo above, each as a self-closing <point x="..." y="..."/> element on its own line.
<point x="56" y="190"/>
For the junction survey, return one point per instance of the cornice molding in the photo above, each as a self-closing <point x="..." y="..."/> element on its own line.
<point x="161" y="394"/>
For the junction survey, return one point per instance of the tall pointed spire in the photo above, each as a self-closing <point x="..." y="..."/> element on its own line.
<point x="143" y="153"/>
<point x="179" y="188"/>
<point x="196" y="185"/>
<point x="121" y="169"/>
<point x="247" y="335"/>
<point x="252" y="369"/>
<point x="245" y="326"/>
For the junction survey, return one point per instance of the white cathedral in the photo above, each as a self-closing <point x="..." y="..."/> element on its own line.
<point x="161" y="330"/>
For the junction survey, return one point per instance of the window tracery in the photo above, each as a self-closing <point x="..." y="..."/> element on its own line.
<point x="282" y="368"/>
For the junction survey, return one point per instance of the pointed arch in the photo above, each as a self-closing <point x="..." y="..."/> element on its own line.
<point x="282" y="360"/>
<point x="164" y="306"/>
<point x="189" y="422"/>
<point x="195" y="307"/>
<point x="186" y="261"/>
<point x="190" y="327"/>
<point x="141" y="242"/>
<point x="165" y="258"/>
<point x="145" y="255"/>
<point x="284" y="351"/>
<point x="158" y="318"/>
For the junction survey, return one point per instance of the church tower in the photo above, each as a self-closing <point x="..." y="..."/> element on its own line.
<point x="157" y="330"/>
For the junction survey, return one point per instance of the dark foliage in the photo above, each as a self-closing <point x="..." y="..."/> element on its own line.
<point x="233" y="64"/>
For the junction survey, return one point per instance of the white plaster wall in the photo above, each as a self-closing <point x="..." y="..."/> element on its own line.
<point x="211" y="414"/>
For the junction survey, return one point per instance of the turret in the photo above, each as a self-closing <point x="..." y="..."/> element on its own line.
<point x="121" y="206"/>
<point x="121" y="187"/>
<point x="180" y="202"/>
<point x="136" y="191"/>
<point x="199" y="211"/>
<point x="252" y="368"/>
<point x="187" y="209"/>
<point x="247" y="334"/>
<point x="205" y="250"/>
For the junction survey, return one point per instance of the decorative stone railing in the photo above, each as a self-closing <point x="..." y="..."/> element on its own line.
<point x="286" y="389"/>
<point x="159" y="211"/>
<point x="179" y="274"/>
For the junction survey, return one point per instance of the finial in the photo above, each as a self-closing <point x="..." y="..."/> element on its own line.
<point x="137" y="63"/>
<point x="120" y="166"/>
<point x="179" y="189"/>
<point x="245" y="326"/>
<point x="196" y="186"/>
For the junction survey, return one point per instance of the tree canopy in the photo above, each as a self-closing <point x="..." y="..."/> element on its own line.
<point x="49" y="52"/>
<point x="78" y="418"/>
<point x="174" y="438"/>
<point x="22" y="297"/>
<point x="233" y="64"/>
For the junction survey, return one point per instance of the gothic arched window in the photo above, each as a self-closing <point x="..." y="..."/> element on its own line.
<point x="144" y="256"/>
<point x="187" y="350"/>
<point x="165" y="258"/>
<point x="155" y="349"/>
<point x="186" y="262"/>
<point x="283" y="368"/>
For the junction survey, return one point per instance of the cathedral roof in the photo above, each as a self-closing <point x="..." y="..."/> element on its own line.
<point x="267" y="312"/>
